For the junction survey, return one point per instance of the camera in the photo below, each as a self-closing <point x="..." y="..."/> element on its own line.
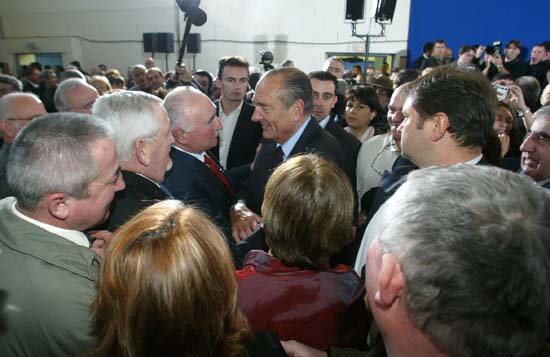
<point x="266" y="60"/>
<point x="502" y="91"/>
<point x="494" y="49"/>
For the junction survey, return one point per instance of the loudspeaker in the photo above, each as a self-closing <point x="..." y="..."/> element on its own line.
<point x="385" y="10"/>
<point x="162" y="42"/>
<point x="165" y="42"/>
<point x="194" y="43"/>
<point x="355" y="10"/>
<point x="149" y="42"/>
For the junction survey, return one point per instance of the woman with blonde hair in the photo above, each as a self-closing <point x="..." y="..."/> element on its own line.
<point x="167" y="287"/>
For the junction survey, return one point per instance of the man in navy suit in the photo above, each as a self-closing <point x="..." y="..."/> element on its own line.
<point x="240" y="136"/>
<point x="196" y="177"/>
<point x="283" y="101"/>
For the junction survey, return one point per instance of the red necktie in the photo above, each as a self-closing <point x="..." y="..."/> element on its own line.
<point x="218" y="172"/>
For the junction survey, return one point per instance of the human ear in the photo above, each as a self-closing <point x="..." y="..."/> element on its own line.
<point x="57" y="205"/>
<point x="440" y="124"/>
<point x="143" y="152"/>
<point x="390" y="281"/>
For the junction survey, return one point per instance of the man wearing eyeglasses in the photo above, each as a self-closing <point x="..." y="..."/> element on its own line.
<point x="535" y="150"/>
<point x="16" y="111"/>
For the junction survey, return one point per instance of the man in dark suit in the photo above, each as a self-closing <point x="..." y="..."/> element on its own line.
<point x="197" y="178"/>
<point x="283" y="101"/>
<point x="449" y="113"/>
<point x="143" y="139"/>
<point x="324" y="98"/>
<point x="240" y="136"/>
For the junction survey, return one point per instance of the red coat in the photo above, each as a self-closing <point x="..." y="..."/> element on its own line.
<point x="319" y="308"/>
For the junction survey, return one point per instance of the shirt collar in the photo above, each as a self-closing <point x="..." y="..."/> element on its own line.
<point x="323" y="123"/>
<point x="199" y="157"/>
<point x="76" y="237"/>
<point x="290" y="143"/>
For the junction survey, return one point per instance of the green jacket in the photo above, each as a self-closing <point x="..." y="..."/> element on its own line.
<point x="47" y="284"/>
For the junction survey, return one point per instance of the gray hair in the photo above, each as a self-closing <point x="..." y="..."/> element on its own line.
<point x="530" y="87"/>
<point x="53" y="154"/>
<point x="472" y="242"/>
<point x="132" y="115"/>
<point x="543" y="113"/>
<point x="6" y="101"/>
<point x="178" y="104"/>
<point x="137" y="67"/>
<point x="12" y="81"/>
<point x="71" y="73"/>
<point x="296" y="85"/>
<point x="60" y="98"/>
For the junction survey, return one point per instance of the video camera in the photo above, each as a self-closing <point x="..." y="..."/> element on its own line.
<point x="494" y="49"/>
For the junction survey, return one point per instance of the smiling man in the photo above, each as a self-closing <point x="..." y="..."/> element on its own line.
<point x="64" y="173"/>
<point x="283" y="101"/>
<point x="196" y="177"/>
<point x="535" y="156"/>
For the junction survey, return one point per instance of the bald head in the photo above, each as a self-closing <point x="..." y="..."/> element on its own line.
<point x="395" y="114"/>
<point x="193" y="120"/>
<point x="16" y="111"/>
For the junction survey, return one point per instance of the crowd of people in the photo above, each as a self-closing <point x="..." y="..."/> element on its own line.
<point x="333" y="213"/>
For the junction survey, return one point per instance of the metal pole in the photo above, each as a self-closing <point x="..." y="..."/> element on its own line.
<point x="367" y="44"/>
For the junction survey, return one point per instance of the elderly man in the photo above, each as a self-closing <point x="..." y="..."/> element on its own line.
<point x="460" y="261"/>
<point x="535" y="150"/>
<point x="143" y="139"/>
<point x="9" y="84"/>
<point x="448" y="114"/>
<point x="283" y="108"/>
<point x="239" y="136"/>
<point x="75" y="95"/>
<point x="64" y="173"/>
<point x="16" y="111"/>
<point x="196" y="177"/>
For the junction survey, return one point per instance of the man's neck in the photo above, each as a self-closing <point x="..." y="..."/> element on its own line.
<point x="41" y="215"/>
<point x="508" y="59"/>
<point x="229" y="106"/>
<point x="137" y="169"/>
<point x="459" y="155"/>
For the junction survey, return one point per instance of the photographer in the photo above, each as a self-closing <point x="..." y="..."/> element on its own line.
<point x="511" y="64"/>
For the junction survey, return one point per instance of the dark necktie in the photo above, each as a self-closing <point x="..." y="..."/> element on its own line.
<point x="218" y="172"/>
<point x="278" y="157"/>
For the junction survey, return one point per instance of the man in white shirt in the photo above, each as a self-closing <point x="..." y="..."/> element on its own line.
<point x="64" y="172"/>
<point x="240" y="136"/>
<point x="448" y="115"/>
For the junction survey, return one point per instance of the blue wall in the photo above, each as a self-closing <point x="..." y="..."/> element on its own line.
<point x="461" y="22"/>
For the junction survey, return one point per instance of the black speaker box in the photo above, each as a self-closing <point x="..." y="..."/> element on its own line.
<point x="385" y="10"/>
<point x="161" y="42"/>
<point x="194" y="43"/>
<point x="149" y="42"/>
<point x="165" y="42"/>
<point x="355" y="10"/>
